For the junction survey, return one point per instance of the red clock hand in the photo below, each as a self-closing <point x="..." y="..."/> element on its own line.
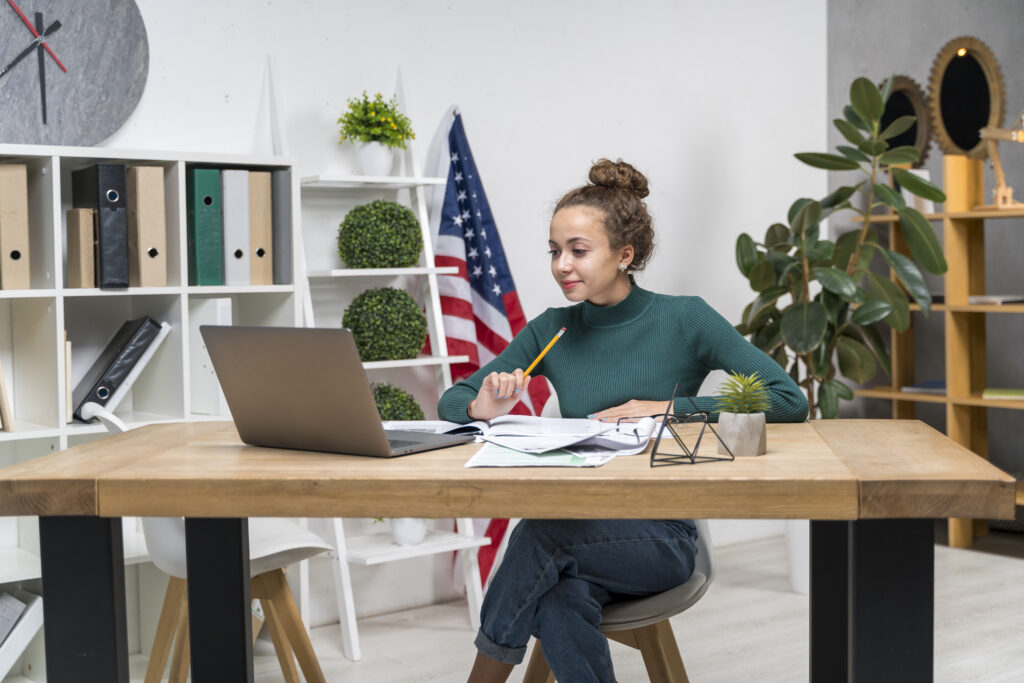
<point x="35" y="33"/>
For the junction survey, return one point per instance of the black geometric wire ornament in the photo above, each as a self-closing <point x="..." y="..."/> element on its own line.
<point x="682" y="426"/>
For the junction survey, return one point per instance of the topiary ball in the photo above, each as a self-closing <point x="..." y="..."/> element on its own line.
<point x="387" y="324"/>
<point x="395" y="404"/>
<point x="380" y="234"/>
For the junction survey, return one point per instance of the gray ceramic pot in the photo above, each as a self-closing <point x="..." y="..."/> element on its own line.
<point x="744" y="433"/>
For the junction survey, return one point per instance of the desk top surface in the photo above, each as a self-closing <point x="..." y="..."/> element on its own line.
<point x="830" y="469"/>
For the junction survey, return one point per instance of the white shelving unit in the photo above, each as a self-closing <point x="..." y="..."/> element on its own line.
<point x="33" y="323"/>
<point x="326" y="198"/>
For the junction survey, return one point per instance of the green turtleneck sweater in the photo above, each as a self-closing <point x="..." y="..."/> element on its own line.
<point x="636" y="349"/>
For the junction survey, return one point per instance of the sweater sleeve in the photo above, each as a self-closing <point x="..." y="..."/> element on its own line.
<point x="520" y="352"/>
<point x="719" y="346"/>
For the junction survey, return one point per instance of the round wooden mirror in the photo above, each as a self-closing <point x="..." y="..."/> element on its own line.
<point x="966" y="94"/>
<point x="907" y="99"/>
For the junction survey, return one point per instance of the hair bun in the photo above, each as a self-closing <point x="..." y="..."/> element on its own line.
<point x="619" y="175"/>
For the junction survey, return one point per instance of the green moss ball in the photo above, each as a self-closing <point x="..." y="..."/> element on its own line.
<point x="381" y="234"/>
<point x="396" y="404"/>
<point x="387" y="324"/>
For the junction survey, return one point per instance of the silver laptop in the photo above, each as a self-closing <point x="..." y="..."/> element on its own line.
<point x="305" y="388"/>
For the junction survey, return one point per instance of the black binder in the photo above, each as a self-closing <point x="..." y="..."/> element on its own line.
<point x="114" y="364"/>
<point x="102" y="187"/>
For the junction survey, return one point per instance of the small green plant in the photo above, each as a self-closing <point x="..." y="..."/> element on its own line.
<point x="375" y="120"/>
<point x="394" y="403"/>
<point x="743" y="394"/>
<point x="380" y="234"/>
<point x="387" y="324"/>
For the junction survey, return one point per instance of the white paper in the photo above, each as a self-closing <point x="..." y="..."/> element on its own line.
<point x="10" y="611"/>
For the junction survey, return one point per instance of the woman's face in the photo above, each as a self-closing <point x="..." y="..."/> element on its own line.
<point x="583" y="262"/>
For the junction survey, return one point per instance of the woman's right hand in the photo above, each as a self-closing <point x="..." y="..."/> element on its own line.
<point x="499" y="392"/>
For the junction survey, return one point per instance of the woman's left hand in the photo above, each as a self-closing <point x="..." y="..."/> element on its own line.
<point x="634" y="409"/>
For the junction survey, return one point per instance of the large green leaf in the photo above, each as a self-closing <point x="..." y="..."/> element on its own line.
<point x="780" y="356"/>
<point x="850" y="115"/>
<point x="803" y="326"/>
<point x="795" y="207"/>
<point x="847" y="243"/>
<point x="762" y="276"/>
<point x="768" y="337"/>
<point x="746" y="254"/>
<point x="871" y="312"/>
<point x="855" y="360"/>
<point x="923" y="242"/>
<point x="908" y="273"/>
<point x="866" y="100"/>
<point x="889" y="196"/>
<point x="849" y="131"/>
<point x="873" y="338"/>
<point x="766" y="299"/>
<point x="833" y="304"/>
<point x="777" y="235"/>
<point x="829" y="162"/>
<point x="806" y="217"/>
<point x="882" y="288"/>
<point x="820" y="251"/>
<point x="918" y="185"/>
<point x="873" y="147"/>
<point x="821" y="359"/>
<point x="907" y="154"/>
<point x="900" y="125"/>
<point x="840" y="195"/>
<point x="853" y="154"/>
<point x="828" y="400"/>
<point x="779" y="258"/>
<point x="887" y="88"/>
<point x="836" y="281"/>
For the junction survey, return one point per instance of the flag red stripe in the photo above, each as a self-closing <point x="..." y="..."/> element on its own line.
<point x="485" y="555"/>
<point x="448" y="261"/>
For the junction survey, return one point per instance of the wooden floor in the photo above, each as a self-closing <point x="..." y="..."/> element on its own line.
<point x="749" y="626"/>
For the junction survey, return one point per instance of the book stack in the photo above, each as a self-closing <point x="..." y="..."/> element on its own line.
<point x="1003" y="394"/>
<point x="239" y="226"/>
<point x="998" y="299"/>
<point x="117" y="230"/>
<point x="123" y="359"/>
<point x="931" y="386"/>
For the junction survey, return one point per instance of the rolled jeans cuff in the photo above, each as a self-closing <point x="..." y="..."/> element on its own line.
<point x="505" y="655"/>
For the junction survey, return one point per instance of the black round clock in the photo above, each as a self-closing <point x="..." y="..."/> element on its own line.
<point x="71" y="71"/>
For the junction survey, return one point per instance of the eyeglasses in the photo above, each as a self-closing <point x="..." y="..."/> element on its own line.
<point x="686" y="428"/>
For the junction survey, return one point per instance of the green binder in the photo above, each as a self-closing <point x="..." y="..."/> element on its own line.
<point x="205" y="229"/>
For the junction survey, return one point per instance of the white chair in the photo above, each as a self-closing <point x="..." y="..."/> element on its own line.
<point x="644" y="623"/>
<point x="273" y="545"/>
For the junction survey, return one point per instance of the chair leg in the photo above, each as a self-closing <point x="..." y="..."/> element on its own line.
<point x="180" y="660"/>
<point x="274" y="624"/>
<point x="287" y="612"/>
<point x="661" y="654"/>
<point x="165" y="628"/>
<point x="538" y="671"/>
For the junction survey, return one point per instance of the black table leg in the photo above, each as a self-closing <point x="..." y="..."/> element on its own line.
<point x="872" y="601"/>
<point x="220" y="626"/>
<point x="83" y="599"/>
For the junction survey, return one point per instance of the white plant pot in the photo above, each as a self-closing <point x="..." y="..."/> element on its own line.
<point x="744" y="433"/>
<point x="408" y="530"/>
<point x="374" y="158"/>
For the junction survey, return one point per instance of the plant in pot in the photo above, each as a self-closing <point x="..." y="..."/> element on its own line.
<point x="819" y="301"/>
<point x="381" y="234"/>
<point x="376" y="127"/>
<point x="741" y="405"/>
<point x="387" y="324"/>
<point x="394" y="403"/>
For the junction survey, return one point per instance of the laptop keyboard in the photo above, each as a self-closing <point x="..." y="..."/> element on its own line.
<point x="400" y="443"/>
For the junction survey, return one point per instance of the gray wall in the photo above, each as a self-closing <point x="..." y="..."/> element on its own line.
<point x="876" y="38"/>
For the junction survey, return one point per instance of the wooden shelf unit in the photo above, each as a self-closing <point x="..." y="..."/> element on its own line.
<point x="965" y="355"/>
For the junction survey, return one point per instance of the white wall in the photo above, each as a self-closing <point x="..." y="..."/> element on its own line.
<point x="710" y="100"/>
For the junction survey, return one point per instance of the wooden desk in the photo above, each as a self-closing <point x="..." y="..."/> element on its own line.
<point x="871" y="487"/>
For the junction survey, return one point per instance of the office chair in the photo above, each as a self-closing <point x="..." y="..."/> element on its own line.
<point x="273" y="545"/>
<point x="644" y="623"/>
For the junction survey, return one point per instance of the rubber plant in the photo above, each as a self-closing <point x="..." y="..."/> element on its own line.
<point x="818" y="302"/>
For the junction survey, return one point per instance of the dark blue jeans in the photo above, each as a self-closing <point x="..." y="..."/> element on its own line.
<point x="557" y="575"/>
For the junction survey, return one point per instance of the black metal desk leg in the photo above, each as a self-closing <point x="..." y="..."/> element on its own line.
<point x="872" y="601"/>
<point x="220" y="626"/>
<point x="83" y="599"/>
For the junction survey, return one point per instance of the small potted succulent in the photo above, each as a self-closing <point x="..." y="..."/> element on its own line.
<point x="742" y="402"/>
<point x="381" y="234"/>
<point x="376" y="127"/>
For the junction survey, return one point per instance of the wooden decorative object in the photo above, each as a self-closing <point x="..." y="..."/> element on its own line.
<point x="966" y="94"/>
<point x="992" y="135"/>
<point x="907" y="98"/>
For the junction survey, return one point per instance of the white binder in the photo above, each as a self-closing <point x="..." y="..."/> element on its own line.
<point x="234" y="196"/>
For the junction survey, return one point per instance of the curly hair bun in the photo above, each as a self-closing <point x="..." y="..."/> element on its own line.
<point x="619" y="175"/>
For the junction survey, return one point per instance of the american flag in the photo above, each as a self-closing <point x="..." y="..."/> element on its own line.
<point x="479" y="305"/>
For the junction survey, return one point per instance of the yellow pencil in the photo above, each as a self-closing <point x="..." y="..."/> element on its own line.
<point x="541" y="355"/>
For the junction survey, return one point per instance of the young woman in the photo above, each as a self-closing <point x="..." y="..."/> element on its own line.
<point x="623" y="351"/>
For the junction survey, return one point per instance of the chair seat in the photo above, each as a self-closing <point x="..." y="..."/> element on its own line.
<point x="277" y="543"/>
<point x="629" y="614"/>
